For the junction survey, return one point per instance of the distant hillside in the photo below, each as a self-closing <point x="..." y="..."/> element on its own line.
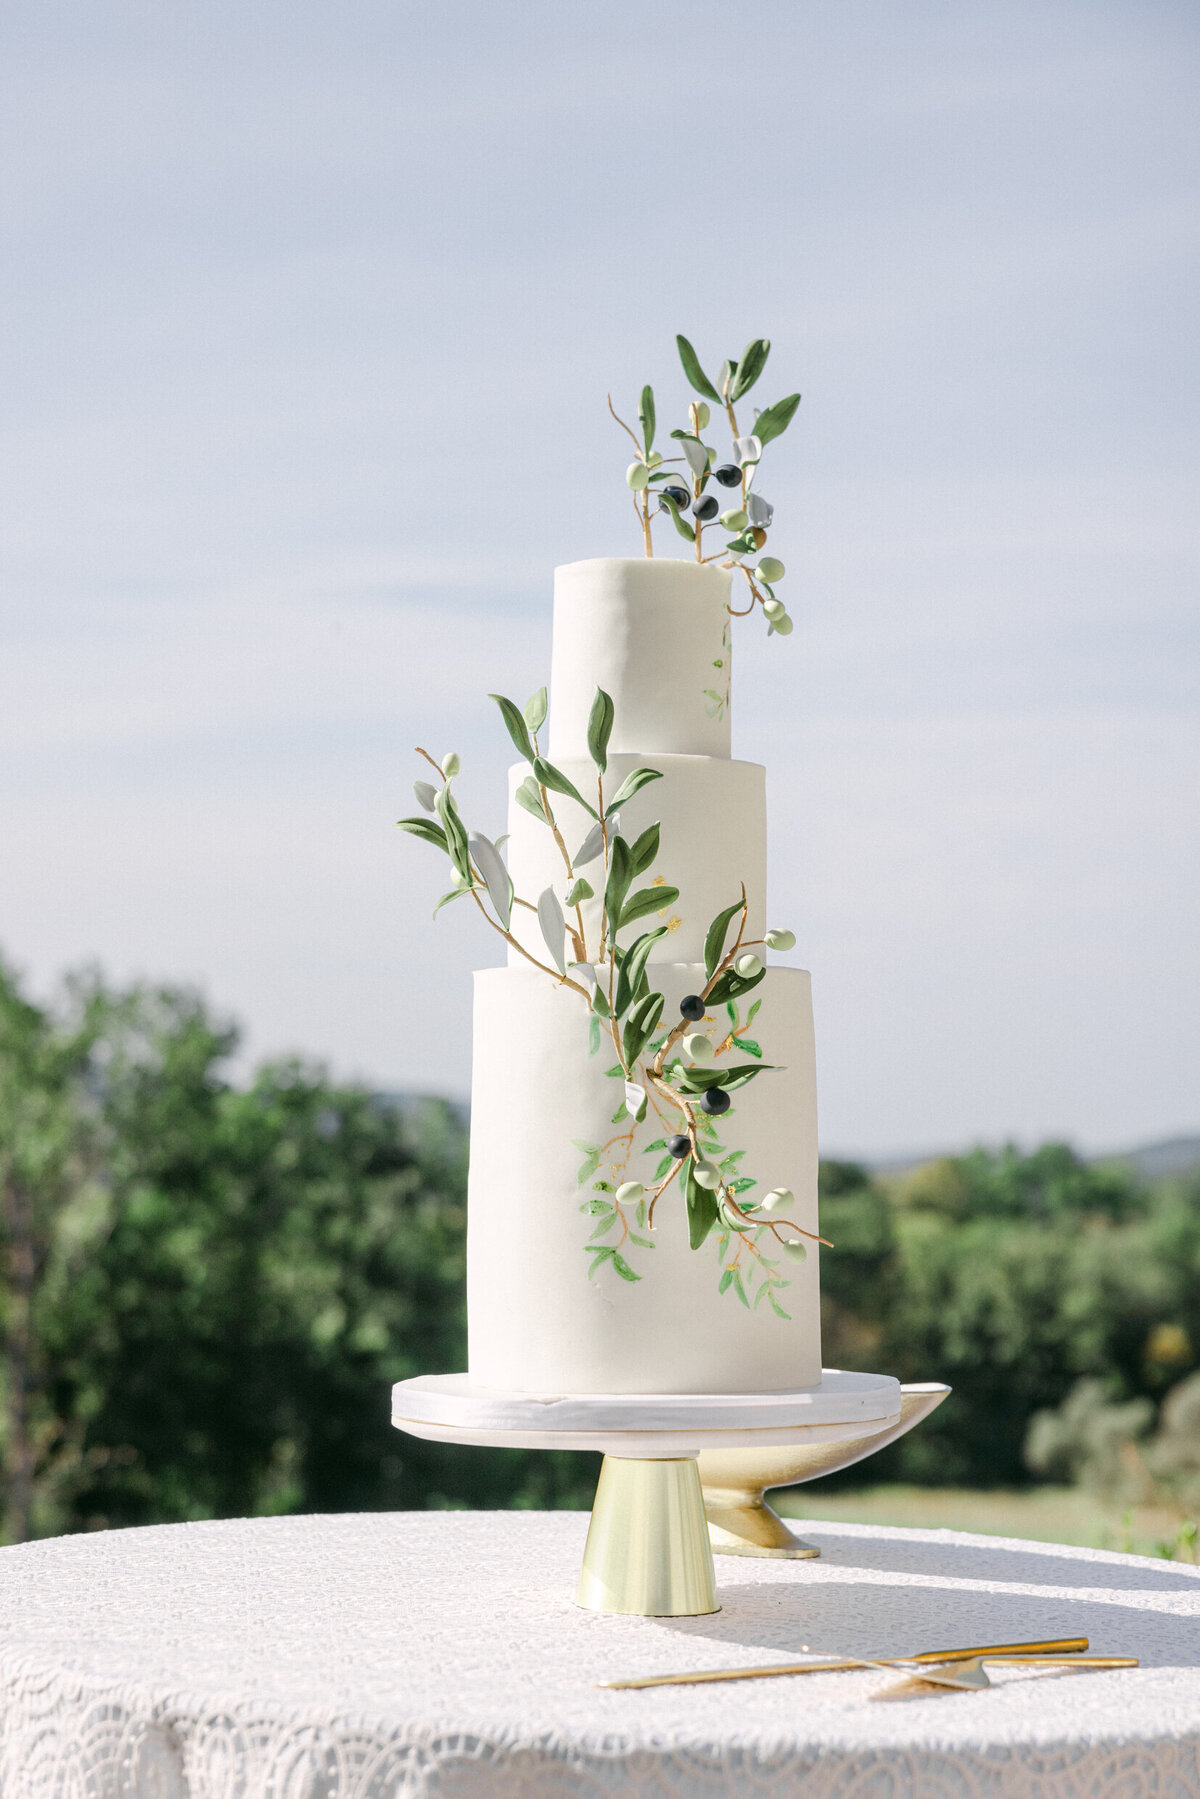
<point x="1150" y="1161"/>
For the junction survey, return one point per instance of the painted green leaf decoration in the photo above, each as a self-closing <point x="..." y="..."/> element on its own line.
<point x="775" y="420"/>
<point x="623" y="1269"/>
<point x="645" y="901"/>
<point x="516" y="726"/>
<point x="535" y="709"/>
<point x="644" y="850"/>
<point x="701" y="1209"/>
<point x="633" y="783"/>
<point x="599" y="1207"/>
<point x="554" y="778"/>
<point x="693" y="371"/>
<point x="600" y="1004"/>
<point x="579" y="891"/>
<point x="599" y="730"/>
<point x="714" y="942"/>
<point x="426" y="830"/>
<point x="749" y="1045"/>
<point x="677" y="518"/>
<point x="593" y="1035"/>
<point x="528" y="797"/>
<point x="775" y="1305"/>
<point x="642" y="1242"/>
<point x="723" y="1283"/>
<point x="739" y="1289"/>
<point x="602" y="1253"/>
<point x="646" y="417"/>
<point x="751" y="366"/>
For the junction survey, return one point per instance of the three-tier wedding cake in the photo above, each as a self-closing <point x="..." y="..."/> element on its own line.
<point x="582" y="1277"/>
<point x="643" y="1175"/>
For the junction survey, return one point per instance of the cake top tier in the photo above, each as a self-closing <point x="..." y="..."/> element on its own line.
<point x="654" y="634"/>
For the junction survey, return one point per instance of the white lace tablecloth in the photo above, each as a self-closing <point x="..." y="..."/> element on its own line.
<point x="439" y="1653"/>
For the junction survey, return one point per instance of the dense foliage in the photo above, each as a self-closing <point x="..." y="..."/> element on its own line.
<point x="1013" y="1277"/>
<point x="208" y="1288"/>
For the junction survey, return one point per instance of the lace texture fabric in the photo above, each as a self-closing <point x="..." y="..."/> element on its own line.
<point x="439" y="1654"/>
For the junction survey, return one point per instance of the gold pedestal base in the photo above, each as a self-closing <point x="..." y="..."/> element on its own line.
<point x="740" y="1521"/>
<point x="648" y="1550"/>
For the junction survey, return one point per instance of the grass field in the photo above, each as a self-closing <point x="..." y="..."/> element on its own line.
<point x="1043" y="1514"/>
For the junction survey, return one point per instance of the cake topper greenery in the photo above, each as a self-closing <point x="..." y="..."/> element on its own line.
<point x="674" y="1073"/>
<point x="679" y="485"/>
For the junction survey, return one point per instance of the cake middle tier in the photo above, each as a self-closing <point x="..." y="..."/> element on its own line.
<point x="713" y="837"/>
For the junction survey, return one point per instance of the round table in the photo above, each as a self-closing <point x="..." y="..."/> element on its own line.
<point x="366" y="1657"/>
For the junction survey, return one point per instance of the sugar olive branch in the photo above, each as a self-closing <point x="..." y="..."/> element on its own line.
<point x="687" y="501"/>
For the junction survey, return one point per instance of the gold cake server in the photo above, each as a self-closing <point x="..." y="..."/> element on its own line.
<point x="832" y="1665"/>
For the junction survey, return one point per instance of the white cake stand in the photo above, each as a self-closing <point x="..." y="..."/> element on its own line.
<point x="648" y="1547"/>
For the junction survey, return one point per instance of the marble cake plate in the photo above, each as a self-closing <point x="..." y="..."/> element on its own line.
<point x="653" y="1529"/>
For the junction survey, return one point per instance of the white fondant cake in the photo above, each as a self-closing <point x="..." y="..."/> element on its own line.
<point x="701" y="801"/>
<point x="570" y="1289"/>
<point x="536" y="1322"/>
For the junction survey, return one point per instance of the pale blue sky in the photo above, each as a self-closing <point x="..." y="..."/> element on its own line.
<point x="310" y="317"/>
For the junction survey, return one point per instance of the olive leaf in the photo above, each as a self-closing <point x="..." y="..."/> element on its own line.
<point x="454" y="893"/>
<point x="635" y="1100"/>
<point x="732" y="985"/>
<point x="579" y="891"/>
<point x="554" y="928"/>
<point x="693" y="371"/>
<point x="641" y="1026"/>
<point x="645" y="849"/>
<point x="775" y="420"/>
<point x="633" y="966"/>
<point x="426" y="830"/>
<point x="701" y="1207"/>
<point x="426" y="794"/>
<point x="456" y="836"/>
<point x="747" y="449"/>
<point x="600" y="724"/>
<point x="759" y="511"/>
<point x="700" y="1080"/>
<point x="592" y="844"/>
<point x="646" y="417"/>
<point x="714" y="943"/>
<point x="496" y="877"/>
<point x="554" y="778"/>
<point x="535" y="710"/>
<point x="697" y="456"/>
<point x="751" y="366"/>
<point x="633" y="783"/>
<point x="527" y="796"/>
<point x="677" y="519"/>
<point x="646" y="900"/>
<point x="515" y="723"/>
<point x="620" y="874"/>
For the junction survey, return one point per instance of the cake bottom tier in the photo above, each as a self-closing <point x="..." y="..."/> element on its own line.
<point x="548" y="1310"/>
